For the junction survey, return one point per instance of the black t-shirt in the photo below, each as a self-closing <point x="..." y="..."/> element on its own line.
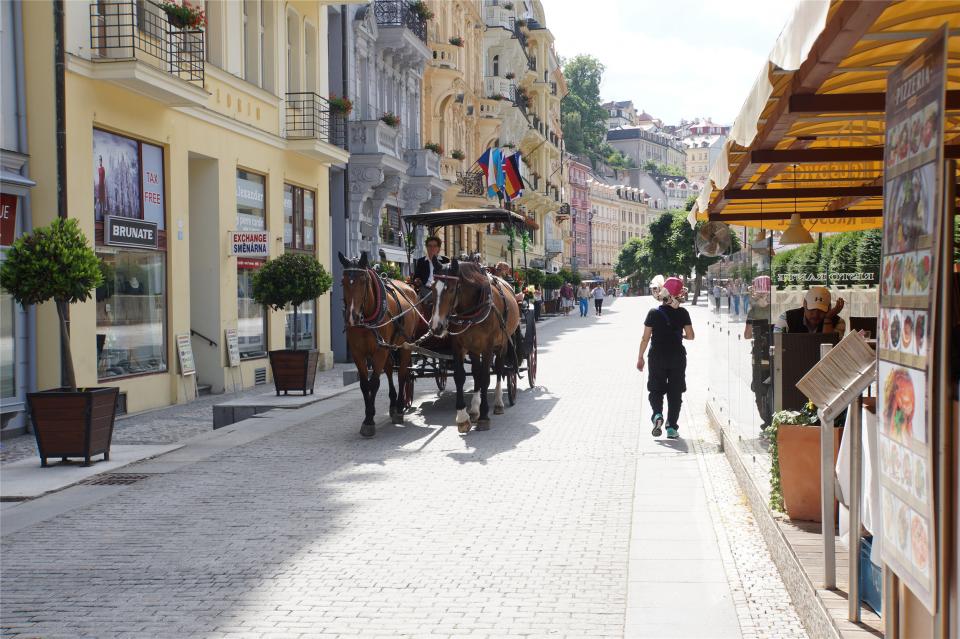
<point x="667" y="324"/>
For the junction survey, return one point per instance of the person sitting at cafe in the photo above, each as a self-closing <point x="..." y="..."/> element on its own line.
<point x="815" y="316"/>
<point x="425" y="267"/>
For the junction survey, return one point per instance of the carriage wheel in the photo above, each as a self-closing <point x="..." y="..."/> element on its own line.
<point x="441" y="376"/>
<point x="408" y="393"/>
<point x="512" y="387"/>
<point x="532" y="364"/>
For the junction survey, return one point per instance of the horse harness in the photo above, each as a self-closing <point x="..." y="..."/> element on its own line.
<point x="479" y="313"/>
<point x="375" y="321"/>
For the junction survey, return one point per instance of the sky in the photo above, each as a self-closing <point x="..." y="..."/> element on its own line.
<point x="674" y="58"/>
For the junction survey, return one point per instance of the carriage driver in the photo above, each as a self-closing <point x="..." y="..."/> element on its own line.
<point x="425" y="267"/>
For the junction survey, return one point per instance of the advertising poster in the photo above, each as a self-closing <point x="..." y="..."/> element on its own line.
<point x="116" y="175"/>
<point x="908" y="294"/>
<point x="185" y="353"/>
<point x="233" y="346"/>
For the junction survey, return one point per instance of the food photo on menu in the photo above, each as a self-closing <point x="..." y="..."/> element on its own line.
<point x="902" y="393"/>
<point x="920" y="330"/>
<point x="923" y="268"/>
<point x="910" y="201"/>
<point x="906" y="337"/>
<point x="919" y="542"/>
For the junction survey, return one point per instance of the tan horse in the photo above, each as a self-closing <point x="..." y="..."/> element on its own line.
<point x="380" y="314"/>
<point x="480" y="314"/>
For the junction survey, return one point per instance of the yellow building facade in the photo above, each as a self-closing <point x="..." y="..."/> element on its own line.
<point x="186" y="136"/>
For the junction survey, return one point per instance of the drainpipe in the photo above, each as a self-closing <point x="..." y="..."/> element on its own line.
<point x="23" y="147"/>
<point x="59" y="62"/>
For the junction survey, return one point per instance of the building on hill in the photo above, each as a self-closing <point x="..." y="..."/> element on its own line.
<point x="647" y="144"/>
<point x="620" y="213"/>
<point x="703" y="140"/>
<point x="620" y="114"/>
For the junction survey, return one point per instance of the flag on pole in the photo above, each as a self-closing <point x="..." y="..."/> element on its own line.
<point x="513" y="184"/>
<point x="484" y="163"/>
<point x="495" y="168"/>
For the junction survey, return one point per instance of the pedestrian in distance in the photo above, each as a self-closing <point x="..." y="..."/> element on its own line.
<point x="598" y="295"/>
<point x="583" y="295"/>
<point x="664" y="330"/>
<point x="566" y="297"/>
<point x="716" y="297"/>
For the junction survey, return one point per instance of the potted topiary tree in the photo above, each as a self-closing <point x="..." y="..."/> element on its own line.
<point x="291" y="279"/>
<point x="56" y="263"/>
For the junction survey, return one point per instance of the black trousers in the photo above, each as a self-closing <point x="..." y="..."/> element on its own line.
<point x="667" y="376"/>
<point x="598" y="304"/>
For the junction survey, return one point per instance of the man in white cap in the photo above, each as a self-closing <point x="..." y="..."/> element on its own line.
<point x="816" y="315"/>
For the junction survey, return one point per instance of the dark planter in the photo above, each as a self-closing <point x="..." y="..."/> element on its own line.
<point x="73" y="424"/>
<point x="294" y="370"/>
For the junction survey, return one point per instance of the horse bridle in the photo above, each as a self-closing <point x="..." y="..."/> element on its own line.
<point x="381" y="307"/>
<point x="471" y="317"/>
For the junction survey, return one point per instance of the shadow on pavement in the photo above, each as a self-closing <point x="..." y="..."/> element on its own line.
<point x="679" y="445"/>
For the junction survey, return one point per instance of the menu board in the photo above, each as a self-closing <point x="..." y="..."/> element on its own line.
<point x="185" y="353"/>
<point x="912" y="221"/>
<point x="233" y="346"/>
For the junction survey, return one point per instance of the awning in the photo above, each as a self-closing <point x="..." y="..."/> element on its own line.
<point x="811" y="131"/>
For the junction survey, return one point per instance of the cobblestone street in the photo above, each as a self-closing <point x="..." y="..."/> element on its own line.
<point x="565" y="519"/>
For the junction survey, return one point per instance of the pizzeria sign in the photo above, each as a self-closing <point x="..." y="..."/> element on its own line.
<point x="250" y="243"/>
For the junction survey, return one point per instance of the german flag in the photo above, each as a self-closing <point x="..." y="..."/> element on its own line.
<point x="513" y="184"/>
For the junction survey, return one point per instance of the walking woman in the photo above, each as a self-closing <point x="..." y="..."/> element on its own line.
<point x="583" y="296"/>
<point x="598" y="295"/>
<point x="665" y="328"/>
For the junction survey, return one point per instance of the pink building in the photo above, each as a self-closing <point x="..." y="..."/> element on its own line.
<point x="580" y="212"/>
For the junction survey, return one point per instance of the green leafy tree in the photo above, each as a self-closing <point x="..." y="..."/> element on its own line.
<point x="55" y="263"/>
<point x="584" y="121"/>
<point x="842" y="252"/>
<point x="552" y="281"/>
<point x="570" y="276"/>
<point x="868" y="253"/>
<point x="292" y="278"/>
<point x="388" y="269"/>
<point x="532" y="276"/>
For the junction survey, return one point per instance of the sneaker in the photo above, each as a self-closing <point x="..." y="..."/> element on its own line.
<point x="672" y="433"/>
<point x="657" y="425"/>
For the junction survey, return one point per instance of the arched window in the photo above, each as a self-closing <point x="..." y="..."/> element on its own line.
<point x="496" y="66"/>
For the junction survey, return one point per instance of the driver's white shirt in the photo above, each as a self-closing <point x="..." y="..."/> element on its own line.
<point x="430" y="277"/>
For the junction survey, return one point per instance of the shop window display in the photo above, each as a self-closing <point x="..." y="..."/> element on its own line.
<point x="306" y="326"/>
<point x="131" y="309"/>
<point x="251" y="216"/>
<point x="8" y="312"/>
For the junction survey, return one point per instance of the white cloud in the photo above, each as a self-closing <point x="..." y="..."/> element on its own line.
<point x="673" y="58"/>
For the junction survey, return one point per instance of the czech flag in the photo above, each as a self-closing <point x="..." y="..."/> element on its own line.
<point x="513" y="185"/>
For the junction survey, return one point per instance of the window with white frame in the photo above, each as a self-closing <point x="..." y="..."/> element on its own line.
<point x="293" y="51"/>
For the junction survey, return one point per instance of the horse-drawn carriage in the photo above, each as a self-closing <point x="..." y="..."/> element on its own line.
<point x="468" y="312"/>
<point x="436" y="362"/>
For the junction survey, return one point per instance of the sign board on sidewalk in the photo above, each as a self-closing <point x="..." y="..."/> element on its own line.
<point x="128" y="231"/>
<point x="910" y="291"/>
<point x="233" y="346"/>
<point x="250" y="243"/>
<point x="185" y="354"/>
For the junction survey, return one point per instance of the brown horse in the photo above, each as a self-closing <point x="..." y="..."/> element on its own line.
<point x="381" y="315"/>
<point x="480" y="314"/>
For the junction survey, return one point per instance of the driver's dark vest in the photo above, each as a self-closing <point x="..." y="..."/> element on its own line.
<point x="795" y="323"/>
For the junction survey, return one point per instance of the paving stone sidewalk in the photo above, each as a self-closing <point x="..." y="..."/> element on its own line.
<point x="168" y="425"/>
<point x="522" y="531"/>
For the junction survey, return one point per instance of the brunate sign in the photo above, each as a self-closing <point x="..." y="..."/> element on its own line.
<point x="249" y="243"/>
<point x="126" y="231"/>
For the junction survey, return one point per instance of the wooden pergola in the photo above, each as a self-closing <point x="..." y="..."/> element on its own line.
<point x="810" y="135"/>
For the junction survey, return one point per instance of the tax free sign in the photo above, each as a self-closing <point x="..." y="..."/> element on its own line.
<point x="249" y="243"/>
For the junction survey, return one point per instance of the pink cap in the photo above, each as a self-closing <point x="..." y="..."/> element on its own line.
<point x="674" y="286"/>
<point x="761" y="284"/>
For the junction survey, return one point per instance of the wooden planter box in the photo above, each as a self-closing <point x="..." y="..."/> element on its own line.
<point x="73" y="424"/>
<point x="294" y="370"/>
<point x="799" y="451"/>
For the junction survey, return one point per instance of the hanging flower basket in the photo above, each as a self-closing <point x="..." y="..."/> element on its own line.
<point x="184" y="15"/>
<point x="433" y="146"/>
<point x="390" y="119"/>
<point x="510" y="75"/>
<point x="340" y="105"/>
<point x="457" y="154"/>
<point x="456" y="41"/>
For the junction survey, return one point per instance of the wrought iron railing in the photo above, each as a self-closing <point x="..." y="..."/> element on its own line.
<point x="399" y="13"/>
<point x="472" y="183"/>
<point x="125" y="29"/>
<point x="309" y="117"/>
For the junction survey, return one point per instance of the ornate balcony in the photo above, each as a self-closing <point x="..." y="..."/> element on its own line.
<point x="146" y="53"/>
<point x="375" y="136"/>
<point x="472" y="184"/>
<point x="446" y="56"/>
<point x="553" y="246"/>
<point x="423" y="163"/>
<point x="398" y="13"/>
